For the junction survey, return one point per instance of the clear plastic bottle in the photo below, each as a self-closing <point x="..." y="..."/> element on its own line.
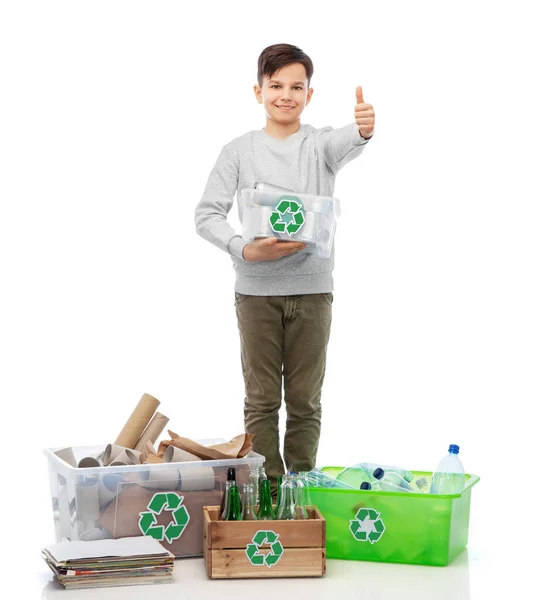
<point x="320" y="479"/>
<point x="391" y="481"/>
<point x="370" y="468"/>
<point x="449" y="478"/>
<point x="354" y="476"/>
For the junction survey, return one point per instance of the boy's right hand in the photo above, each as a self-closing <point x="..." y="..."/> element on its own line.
<point x="270" y="249"/>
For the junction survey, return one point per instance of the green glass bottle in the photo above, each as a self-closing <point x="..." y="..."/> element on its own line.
<point x="234" y="508"/>
<point x="266" y="512"/>
<point x="279" y="482"/>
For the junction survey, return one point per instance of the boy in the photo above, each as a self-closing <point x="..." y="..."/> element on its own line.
<point x="283" y="295"/>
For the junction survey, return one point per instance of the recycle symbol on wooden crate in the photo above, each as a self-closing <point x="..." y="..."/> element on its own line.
<point x="170" y="502"/>
<point x="256" y="557"/>
<point x="367" y="526"/>
<point x="288" y="215"/>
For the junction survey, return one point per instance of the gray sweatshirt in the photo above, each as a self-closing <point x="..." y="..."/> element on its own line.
<point x="305" y="162"/>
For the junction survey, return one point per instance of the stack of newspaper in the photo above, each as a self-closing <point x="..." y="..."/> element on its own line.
<point x="103" y="563"/>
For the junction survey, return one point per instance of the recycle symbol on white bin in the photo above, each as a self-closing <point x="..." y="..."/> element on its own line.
<point x="367" y="526"/>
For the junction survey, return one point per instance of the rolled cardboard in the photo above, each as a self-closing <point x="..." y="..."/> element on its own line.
<point x="153" y="431"/>
<point x="67" y="455"/>
<point x="88" y="462"/>
<point x="109" y="488"/>
<point x="111" y="452"/>
<point x="164" y="479"/>
<point x="196" y="479"/>
<point x="138" y="421"/>
<point x="152" y="459"/>
<point x="173" y="454"/>
<point x="127" y="457"/>
<point x="87" y="498"/>
<point x="147" y="451"/>
<point x="63" y="512"/>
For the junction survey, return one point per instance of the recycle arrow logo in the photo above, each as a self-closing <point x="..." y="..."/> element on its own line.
<point x="257" y="558"/>
<point x="168" y="501"/>
<point x="367" y="526"/>
<point x="288" y="215"/>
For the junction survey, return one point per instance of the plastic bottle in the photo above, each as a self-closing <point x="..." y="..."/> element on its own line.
<point x="391" y="481"/>
<point x="354" y="476"/>
<point x="320" y="479"/>
<point x="370" y="468"/>
<point x="449" y="478"/>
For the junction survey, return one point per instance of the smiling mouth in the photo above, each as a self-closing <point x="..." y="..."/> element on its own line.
<point x="284" y="107"/>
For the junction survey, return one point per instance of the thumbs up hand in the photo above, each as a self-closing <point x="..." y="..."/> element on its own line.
<point x="364" y="115"/>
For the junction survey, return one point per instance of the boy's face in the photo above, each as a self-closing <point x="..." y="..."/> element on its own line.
<point x="285" y="93"/>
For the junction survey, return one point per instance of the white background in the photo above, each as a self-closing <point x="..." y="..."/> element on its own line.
<point x="112" y="116"/>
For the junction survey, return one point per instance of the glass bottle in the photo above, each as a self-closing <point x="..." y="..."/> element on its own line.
<point x="248" y="509"/>
<point x="279" y="482"/>
<point x="286" y="508"/>
<point x="265" y="506"/>
<point x="299" y="493"/>
<point x="231" y="480"/>
<point x="234" y="508"/>
<point x="253" y="479"/>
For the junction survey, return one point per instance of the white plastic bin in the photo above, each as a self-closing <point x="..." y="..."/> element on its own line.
<point x="161" y="500"/>
<point x="289" y="216"/>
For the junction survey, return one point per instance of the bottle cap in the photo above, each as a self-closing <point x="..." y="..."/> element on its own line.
<point x="453" y="449"/>
<point x="231" y="474"/>
<point x="365" y="485"/>
<point x="378" y="473"/>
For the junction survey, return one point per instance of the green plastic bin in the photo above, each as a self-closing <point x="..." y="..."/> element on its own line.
<point x="414" y="528"/>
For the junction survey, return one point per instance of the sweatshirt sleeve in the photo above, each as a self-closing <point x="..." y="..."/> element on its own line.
<point x="216" y="202"/>
<point x="340" y="146"/>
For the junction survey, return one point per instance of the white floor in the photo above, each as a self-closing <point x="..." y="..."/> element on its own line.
<point x="501" y="560"/>
<point x="482" y="571"/>
<point x="468" y="577"/>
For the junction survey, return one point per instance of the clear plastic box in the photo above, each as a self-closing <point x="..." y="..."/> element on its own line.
<point x="161" y="500"/>
<point x="292" y="217"/>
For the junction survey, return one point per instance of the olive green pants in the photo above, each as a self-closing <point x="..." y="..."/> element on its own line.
<point x="283" y="347"/>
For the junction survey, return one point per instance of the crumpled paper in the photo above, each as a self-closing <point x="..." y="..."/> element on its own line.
<point x="238" y="447"/>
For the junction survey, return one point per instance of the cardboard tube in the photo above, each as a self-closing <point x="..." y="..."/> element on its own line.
<point x="111" y="452"/>
<point x="87" y="499"/>
<point x="108" y="488"/>
<point x="152" y="459"/>
<point x="173" y="454"/>
<point x="196" y="479"/>
<point x="153" y="431"/>
<point x="67" y="455"/>
<point x="137" y="422"/>
<point x="166" y="479"/>
<point x="63" y="512"/>
<point x="88" y="462"/>
<point x="147" y="451"/>
<point x="127" y="457"/>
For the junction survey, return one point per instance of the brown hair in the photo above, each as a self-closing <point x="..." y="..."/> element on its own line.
<point x="275" y="57"/>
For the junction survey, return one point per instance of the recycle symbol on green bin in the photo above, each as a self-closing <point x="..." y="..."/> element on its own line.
<point x="367" y="526"/>
<point x="288" y="215"/>
<point x="170" y="502"/>
<point x="256" y="557"/>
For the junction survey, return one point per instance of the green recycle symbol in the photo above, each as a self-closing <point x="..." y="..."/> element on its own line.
<point x="367" y="526"/>
<point x="288" y="215"/>
<point x="170" y="502"/>
<point x="264" y="537"/>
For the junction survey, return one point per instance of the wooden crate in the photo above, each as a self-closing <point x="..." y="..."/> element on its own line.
<point x="303" y="545"/>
